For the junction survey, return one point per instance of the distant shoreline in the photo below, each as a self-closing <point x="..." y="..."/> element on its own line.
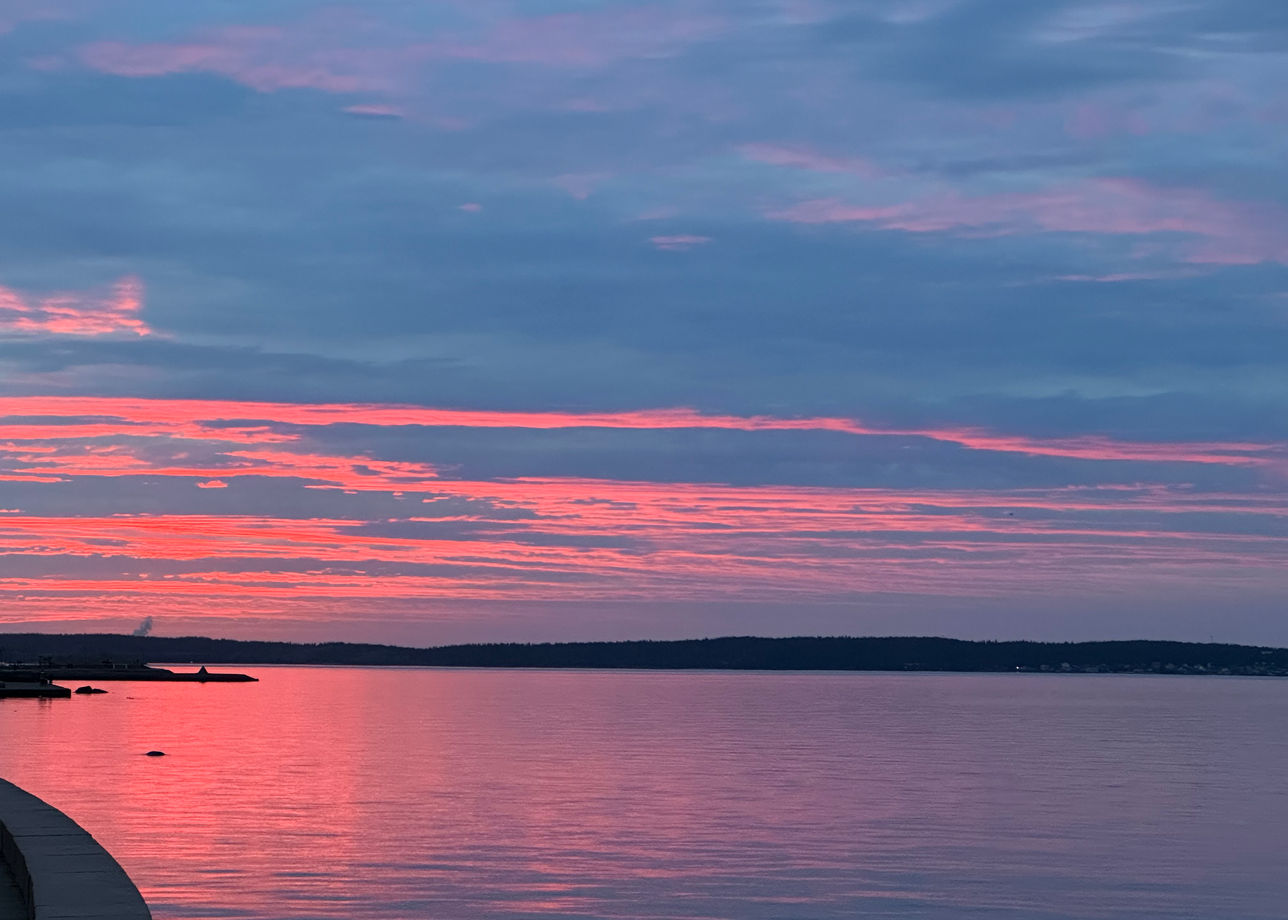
<point x="734" y="653"/>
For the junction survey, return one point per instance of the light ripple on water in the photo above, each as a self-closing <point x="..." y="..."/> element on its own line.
<point x="365" y="794"/>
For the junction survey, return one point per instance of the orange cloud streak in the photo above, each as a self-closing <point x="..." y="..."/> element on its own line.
<point x="76" y="313"/>
<point x="668" y="541"/>
<point x="551" y="539"/>
<point x="202" y="418"/>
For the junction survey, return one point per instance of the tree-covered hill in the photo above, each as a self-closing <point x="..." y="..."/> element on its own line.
<point x="735" y="652"/>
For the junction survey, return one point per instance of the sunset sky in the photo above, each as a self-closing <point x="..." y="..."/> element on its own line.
<point x="554" y="319"/>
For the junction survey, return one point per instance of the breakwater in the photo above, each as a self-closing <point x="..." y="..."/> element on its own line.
<point x="60" y="871"/>
<point x="201" y="676"/>
<point x="20" y="684"/>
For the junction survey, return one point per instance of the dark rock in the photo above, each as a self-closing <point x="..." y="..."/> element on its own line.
<point x="156" y="753"/>
<point x="89" y="690"/>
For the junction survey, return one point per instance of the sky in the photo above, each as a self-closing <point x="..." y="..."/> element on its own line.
<point x="486" y="320"/>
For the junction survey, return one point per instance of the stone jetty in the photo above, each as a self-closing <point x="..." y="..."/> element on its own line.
<point x="22" y="684"/>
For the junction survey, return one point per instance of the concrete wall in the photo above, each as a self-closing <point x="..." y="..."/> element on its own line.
<point x="61" y="871"/>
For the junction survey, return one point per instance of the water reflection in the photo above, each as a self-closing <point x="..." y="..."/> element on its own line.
<point x="404" y="793"/>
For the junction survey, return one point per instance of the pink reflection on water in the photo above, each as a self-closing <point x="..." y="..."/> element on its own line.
<point x="412" y="793"/>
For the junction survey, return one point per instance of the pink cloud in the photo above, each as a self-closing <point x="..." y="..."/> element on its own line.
<point x="227" y="422"/>
<point x="1227" y="232"/>
<point x="15" y="12"/>
<point x="686" y="540"/>
<point x="802" y="158"/>
<point x="679" y="242"/>
<point x="342" y="52"/>
<point x="265" y="58"/>
<point x="351" y="472"/>
<point x="471" y="207"/>
<point x="87" y="313"/>
<point x="578" y="539"/>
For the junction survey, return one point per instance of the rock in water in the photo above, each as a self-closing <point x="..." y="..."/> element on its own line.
<point x="156" y="753"/>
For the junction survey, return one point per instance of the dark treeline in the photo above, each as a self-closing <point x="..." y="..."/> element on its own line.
<point x="740" y="653"/>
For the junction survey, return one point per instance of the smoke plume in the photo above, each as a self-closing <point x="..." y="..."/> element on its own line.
<point x="144" y="628"/>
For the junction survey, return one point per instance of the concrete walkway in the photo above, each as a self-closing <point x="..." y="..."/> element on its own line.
<point x="59" y="870"/>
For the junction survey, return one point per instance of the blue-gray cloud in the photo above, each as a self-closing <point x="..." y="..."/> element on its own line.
<point x="1047" y="220"/>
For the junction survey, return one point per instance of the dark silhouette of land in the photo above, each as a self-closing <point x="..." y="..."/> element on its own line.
<point x="111" y="670"/>
<point x="93" y="654"/>
<point x="47" y="667"/>
<point x="15" y="684"/>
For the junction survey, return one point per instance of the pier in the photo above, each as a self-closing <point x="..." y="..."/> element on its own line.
<point x="27" y="684"/>
<point x="52" y="869"/>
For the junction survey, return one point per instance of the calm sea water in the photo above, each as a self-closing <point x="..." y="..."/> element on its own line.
<point x="356" y="793"/>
